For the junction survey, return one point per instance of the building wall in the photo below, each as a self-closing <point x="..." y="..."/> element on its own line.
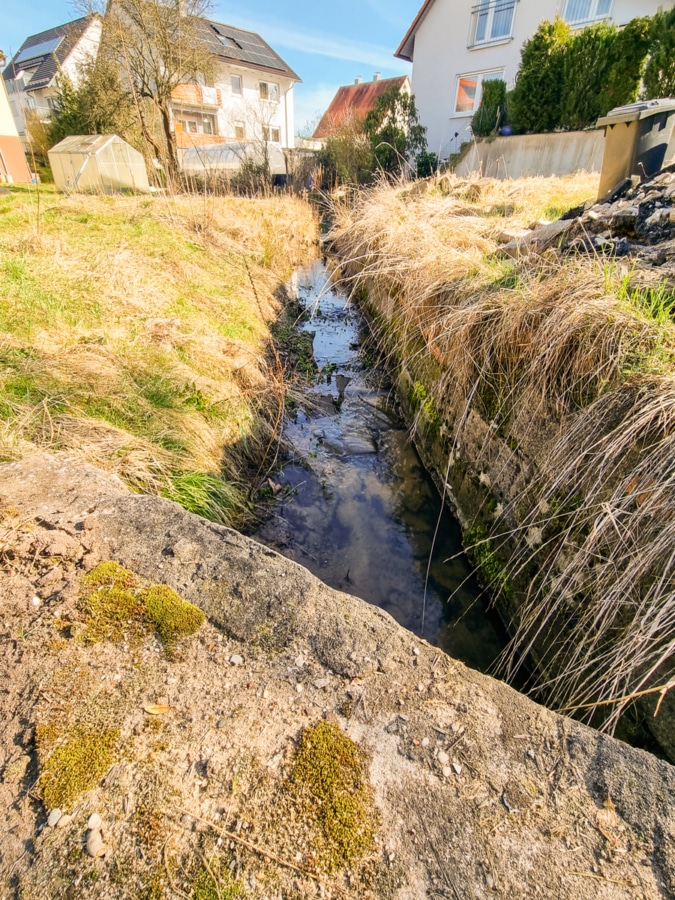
<point x="13" y="167"/>
<point x="442" y="56"/>
<point x="42" y="100"/>
<point x="247" y="110"/>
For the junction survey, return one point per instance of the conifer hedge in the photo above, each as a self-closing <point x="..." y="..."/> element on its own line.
<point x="567" y="80"/>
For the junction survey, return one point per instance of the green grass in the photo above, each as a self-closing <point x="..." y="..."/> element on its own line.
<point x="125" y="332"/>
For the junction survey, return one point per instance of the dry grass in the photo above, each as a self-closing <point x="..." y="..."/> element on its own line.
<point x="571" y="345"/>
<point x="134" y="331"/>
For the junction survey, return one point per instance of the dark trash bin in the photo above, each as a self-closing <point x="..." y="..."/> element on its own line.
<point x="638" y="141"/>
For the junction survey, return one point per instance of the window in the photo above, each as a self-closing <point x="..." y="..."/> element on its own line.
<point x="235" y="81"/>
<point x="269" y="91"/>
<point x="469" y="91"/>
<point x="240" y="131"/>
<point x="492" y="20"/>
<point x="578" y="12"/>
<point x="272" y="134"/>
<point x="208" y="125"/>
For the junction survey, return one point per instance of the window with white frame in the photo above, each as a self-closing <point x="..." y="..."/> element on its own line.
<point x="235" y="81"/>
<point x="240" y="131"/>
<point x="579" y="12"/>
<point x="470" y="91"/>
<point x="195" y="123"/>
<point x="492" y="21"/>
<point x="269" y="90"/>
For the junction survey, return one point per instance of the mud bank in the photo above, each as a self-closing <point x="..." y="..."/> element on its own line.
<point x="479" y="790"/>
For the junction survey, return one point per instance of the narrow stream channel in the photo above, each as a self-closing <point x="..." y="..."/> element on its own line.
<point x="359" y="510"/>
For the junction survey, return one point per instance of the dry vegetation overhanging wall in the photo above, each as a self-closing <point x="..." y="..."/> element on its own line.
<point x="544" y="395"/>
<point x="134" y="334"/>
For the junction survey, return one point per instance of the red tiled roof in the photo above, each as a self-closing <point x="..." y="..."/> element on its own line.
<point x="354" y="100"/>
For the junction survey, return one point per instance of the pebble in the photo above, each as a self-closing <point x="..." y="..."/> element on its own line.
<point x="353" y="656"/>
<point x="443" y="758"/>
<point x="172" y="681"/>
<point x="425" y="742"/>
<point x="447" y="771"/>
<point x="64" y="821"/>
<point x="321" y="683"/>
<point x="299" y="688"/>
<point x="35" y="601"/>
<point x="266" y="694"/>
<point x="236" y="660"/>
<point x="416" y="651"/>
<point x="457" y="768"/>
<point x="299" y="662"/>
<point x="53" y="818"/>
<point x="95" y="845"/>
<point x="94" y="822"/>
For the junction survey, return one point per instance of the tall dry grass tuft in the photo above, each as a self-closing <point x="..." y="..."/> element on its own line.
<point x="573" y="370"/>
<point x="134" y="333"/>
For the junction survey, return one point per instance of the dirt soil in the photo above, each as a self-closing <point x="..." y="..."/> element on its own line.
<point x="478" y="792"/>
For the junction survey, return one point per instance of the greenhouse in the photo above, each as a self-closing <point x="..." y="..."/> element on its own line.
<point x="98" y="164"/>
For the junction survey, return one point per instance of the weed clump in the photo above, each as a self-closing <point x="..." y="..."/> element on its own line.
<point x="328" y="778"/>
<point x="171" y="616"/>
<point x="74" y="762"/>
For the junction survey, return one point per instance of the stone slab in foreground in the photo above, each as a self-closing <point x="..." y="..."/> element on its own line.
<point x="481" y="792"/>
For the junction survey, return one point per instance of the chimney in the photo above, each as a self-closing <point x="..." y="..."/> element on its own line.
<point x="377" y="76"/>
<point x="358" y="79"/>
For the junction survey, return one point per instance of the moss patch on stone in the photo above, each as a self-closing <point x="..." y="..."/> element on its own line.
<point x="328" y="778"/>
<point x="171" y="616"/>
<point x="115" y="607"/>
<point x="74" y="762"/>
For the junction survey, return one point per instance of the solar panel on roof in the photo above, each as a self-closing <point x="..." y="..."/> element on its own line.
<point x="39" y="50"/>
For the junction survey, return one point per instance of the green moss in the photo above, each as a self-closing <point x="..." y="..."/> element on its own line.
<point x="115" y="607"/>
<point x="216" y="884"/>
<point x="110" y="607"/>
<point x="328" y="776"/>
<point x="171" y="616"/>
<point x="73" y="762"/>
<point x="482" y="551"/>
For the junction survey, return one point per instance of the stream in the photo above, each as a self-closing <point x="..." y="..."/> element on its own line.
<point x="356" y="506"/>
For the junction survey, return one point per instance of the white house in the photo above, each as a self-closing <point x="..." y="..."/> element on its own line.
<point x="13" y="167"/>
<point x="249" y="98"/>
<point x="456" y="45"/>
<point x="30" y="76"/>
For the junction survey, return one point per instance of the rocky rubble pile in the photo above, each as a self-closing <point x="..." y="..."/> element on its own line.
<point x="635" y="220"/>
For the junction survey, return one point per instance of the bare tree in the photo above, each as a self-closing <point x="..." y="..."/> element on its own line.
<point x="157" y="45"/>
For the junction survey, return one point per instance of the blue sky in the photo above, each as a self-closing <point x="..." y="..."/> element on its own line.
<point x="328" y="44"/>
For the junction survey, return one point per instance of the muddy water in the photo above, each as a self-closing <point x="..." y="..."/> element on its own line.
<point x="358" y="507"/>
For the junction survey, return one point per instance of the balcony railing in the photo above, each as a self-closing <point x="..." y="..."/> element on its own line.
<point x="492" y="22"/>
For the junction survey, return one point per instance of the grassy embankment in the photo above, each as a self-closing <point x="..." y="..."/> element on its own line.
<point x="133" y="333"/>
<point x="571" y="365"/>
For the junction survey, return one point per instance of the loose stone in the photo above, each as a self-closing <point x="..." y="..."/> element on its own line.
<point x="425" y="742"/>
<point x="95" y="845"/>
<point x="236" y="660"/>
<point x="447" y="771"/>
<point x="443" y="758"/>
<point x="94" y="822"/>
<point x="64" y="821"/>
<point x="457" y="768"/>
<point x="53" y="818"/>
<point x="299" y="688"/>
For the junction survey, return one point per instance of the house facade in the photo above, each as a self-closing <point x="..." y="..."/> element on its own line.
<point x="250" y="96"/>
<point x="456" y="45"/>
<point x="355" y="101"/>
<point x="13" y="167"/>
<point x="30" y="77"/>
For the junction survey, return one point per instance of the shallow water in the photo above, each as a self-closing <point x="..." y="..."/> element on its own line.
<point x="359" y="510"/>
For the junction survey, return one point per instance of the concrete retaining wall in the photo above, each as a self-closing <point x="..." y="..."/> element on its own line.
<point x="535" y="154"/>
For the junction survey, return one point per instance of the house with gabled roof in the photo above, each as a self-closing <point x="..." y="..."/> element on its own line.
<point x="355" y="101"/>
<point x="249" y="96"/>
<point x="457" y="45"/>
<point x="31" y="75"/>
<point x="13" y="166"/>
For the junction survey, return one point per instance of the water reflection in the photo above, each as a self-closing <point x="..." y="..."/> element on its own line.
<point x="362" y="511"/>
